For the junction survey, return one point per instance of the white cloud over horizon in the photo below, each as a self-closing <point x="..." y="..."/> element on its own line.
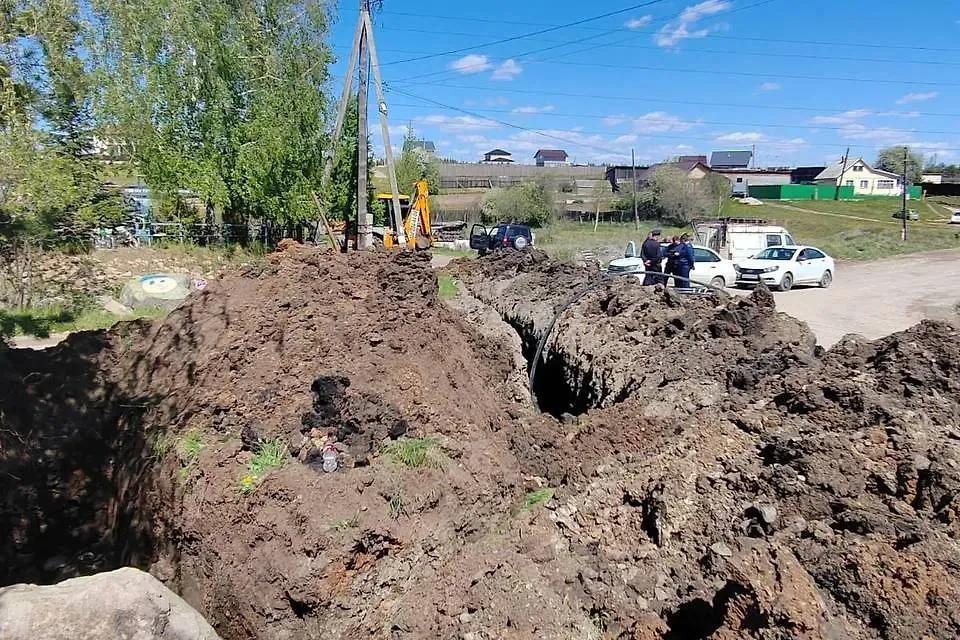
<point x="508" y="70"/>
<point x="638" y="23"/>
<point x="471" y="63"/>
<point x="548" y="108"/>
<point x="660" y="122"/>
<point x="767" y="87"/>
<point x="918" y="97"/>
<point x="685" y="26"/>
<point x="843" y="118"/>
<point x="457" y="124"/>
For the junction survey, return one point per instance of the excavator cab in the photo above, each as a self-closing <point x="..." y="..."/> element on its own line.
<point x="415" y="217"/>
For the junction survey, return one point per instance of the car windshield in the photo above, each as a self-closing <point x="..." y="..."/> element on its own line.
<point x="776" y="253"/>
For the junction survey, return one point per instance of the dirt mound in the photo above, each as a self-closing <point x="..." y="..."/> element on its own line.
<point x="708" y="473"/>
<point x="615" y="339"/>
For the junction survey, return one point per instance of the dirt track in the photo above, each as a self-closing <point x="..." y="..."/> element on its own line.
<point x="874" y="299"/>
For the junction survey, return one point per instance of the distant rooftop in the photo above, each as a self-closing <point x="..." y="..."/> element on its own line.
<point x="731" y="159"/>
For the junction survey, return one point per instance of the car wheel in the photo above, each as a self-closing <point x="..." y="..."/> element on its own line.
<point x="826" y="279"/>
<point x="718" y="282"/>
<point x="520" y="243"/>
<point x="787" y="282"/>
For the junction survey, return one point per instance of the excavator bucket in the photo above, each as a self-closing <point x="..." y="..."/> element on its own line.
<point x="417" y="224"/>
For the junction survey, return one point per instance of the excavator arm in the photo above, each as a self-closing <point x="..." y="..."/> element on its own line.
<point x="417" y="223"/>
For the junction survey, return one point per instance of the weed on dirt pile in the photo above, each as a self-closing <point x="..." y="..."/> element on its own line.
<point x="706" y="471"/>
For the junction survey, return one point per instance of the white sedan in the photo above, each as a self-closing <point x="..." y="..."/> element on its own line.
<point x="782" y="267"/>
<point x="709" y="268"/>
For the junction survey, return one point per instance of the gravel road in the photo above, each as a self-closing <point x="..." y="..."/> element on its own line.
<point x="877" y="298"/>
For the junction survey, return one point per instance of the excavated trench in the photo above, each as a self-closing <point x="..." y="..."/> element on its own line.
<point x="75" y="467"/>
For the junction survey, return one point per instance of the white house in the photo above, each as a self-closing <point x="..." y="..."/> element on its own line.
<point x="497" y="156"/>
<point x="865" y="180"/>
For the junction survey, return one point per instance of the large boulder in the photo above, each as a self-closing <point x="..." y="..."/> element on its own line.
<point x="126" y="604"/>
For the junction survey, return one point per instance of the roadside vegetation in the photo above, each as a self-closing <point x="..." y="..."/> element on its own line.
<point x="448" y="286"/>
<point x="42" y="322"/>
<point x="857" y="230"/>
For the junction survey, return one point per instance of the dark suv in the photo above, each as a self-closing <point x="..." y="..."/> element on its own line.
<point x="502" y="236"/>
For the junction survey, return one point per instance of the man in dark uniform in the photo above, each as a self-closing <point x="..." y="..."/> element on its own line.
<point x="652" y="256"/>
<point x="685" y="262"/>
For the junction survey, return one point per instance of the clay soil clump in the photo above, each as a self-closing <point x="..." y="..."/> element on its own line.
<point x="701" y="470"/>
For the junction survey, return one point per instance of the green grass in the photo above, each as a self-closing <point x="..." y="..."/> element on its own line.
<point x="162" y="444"/>
<point x="189" y="448"/>
<point x="847" y="230"/>
<point x="856" y="230"/>
<point x="397" y="505"/>
<point x="43" y="321"/>
<point x="414" y="452"/>
<point x="536" y="498"/>
<point x="448" y="286"/>
<point x="272" y="455"/>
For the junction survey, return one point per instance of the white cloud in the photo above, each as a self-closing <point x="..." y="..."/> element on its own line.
<point x="472" y="63"/>
<point x="498" y="101"/>
<point x="458" y="123"/>
<point x="638" y="23"/>
<point x="918" y="97"/>
<point x="507" y="70"/>
<point x="530" y="110"/>
<point x="843" y="118"/>
<point x="684" y="27"/>
<point x="614" y="121"/>
<point x="770" y="86"/>
<point x="899" y="114"/>
<point x="767" y="144"/>
<point x="885" y="135"/>
<point x="742" y="137"/>
<point x="627" y="139"/>
<point x="659" y="122"/>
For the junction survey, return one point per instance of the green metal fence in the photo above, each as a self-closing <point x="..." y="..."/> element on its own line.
<point x="816" y="192"/>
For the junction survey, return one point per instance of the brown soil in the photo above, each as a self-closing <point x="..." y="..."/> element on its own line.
<point x="714" y="475"/>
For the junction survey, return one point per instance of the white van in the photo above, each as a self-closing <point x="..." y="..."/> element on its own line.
<point x="739" y="240"/>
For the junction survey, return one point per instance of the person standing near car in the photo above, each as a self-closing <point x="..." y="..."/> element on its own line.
<point x="685" y="262"/>
<point x="652" y="255"/>
<point x="671" y="252"/>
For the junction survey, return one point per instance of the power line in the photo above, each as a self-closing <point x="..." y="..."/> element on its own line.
<point x="763" y="54"/>
<point x="500" y="122"/>
<point x="744" y="74"/>
<point x="523" y="36"/>
<point x="594" y="116"/>
<point x="711" y="36"/>
<point x="606" y="149"/>
<point x="694" y="103"/>
<point x="584" y="39"/>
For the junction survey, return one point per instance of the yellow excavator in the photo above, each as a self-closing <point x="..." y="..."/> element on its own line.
<point x="415" y="214"/>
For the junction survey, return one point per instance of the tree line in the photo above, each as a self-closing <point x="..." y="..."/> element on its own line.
<point x="226" y="99"/>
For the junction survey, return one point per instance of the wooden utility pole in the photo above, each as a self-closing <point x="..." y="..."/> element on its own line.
<point x="903" y="213"/>
<point x="385" y="133"/>
<point x="843" y="170"/>
<point x="633" y="167"/>
<point x="363" y="51"/>
<point x="364" y="232"/>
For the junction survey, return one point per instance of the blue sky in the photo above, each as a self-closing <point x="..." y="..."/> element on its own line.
<point x="800" y="80"/>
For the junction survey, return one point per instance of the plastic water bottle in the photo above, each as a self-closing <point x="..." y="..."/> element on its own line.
<point x="330" y="461"/>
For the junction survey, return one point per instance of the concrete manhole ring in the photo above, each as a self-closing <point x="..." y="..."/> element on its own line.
<point x="163" y="290"/>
